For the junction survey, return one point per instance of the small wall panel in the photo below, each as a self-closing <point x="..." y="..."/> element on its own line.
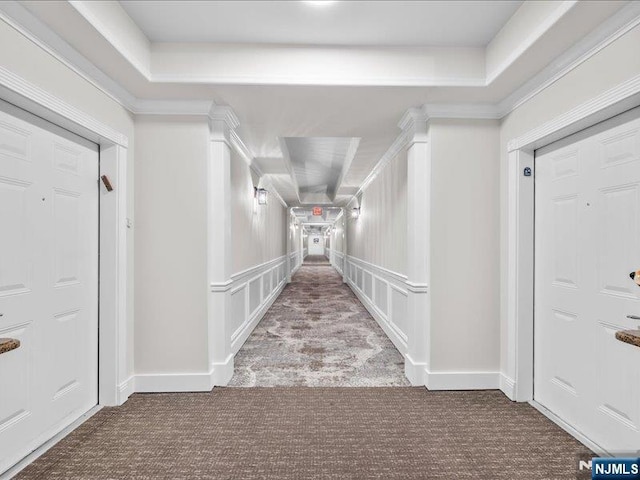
<point x="255" y="295"/>
<point x="399" y="310"/>
<point x="381" y="295"/>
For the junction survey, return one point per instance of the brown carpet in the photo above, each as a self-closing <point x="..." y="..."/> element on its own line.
<point x="318" y="334"/>
<point x="314" y="433"/>
<point x="316" y="260"/>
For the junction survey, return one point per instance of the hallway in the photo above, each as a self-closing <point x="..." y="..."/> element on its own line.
<point x="318" y="334"/>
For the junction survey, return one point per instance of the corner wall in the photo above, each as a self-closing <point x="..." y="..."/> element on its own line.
<point x="465" y="247"/>
<point x="171" y="246"/>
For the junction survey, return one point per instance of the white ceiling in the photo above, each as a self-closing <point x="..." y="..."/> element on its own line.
<point x="537" y="42"/>
<point x="316" y="222"/>
<point x="318" y="165"/>
<point x="379" y="23"/>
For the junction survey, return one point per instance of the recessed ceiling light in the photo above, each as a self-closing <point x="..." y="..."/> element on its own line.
<point x="320" y="3"/>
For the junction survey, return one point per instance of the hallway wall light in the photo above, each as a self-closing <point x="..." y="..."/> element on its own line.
<point x="355" y="212"/>
<point x="261" y="195"/>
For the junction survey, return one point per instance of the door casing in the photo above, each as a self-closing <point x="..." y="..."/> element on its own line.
<point x="517" y="382"/>
<point x="114" y="383"/>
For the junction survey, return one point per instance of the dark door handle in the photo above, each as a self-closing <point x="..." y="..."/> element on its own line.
<point x="633" y="317"/>
<point x="8" y="344"/>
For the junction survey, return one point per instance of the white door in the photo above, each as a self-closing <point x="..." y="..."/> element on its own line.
<point x="48" y="280"/>
<point x="316" y="244"/>
<point x="587" y="241"/>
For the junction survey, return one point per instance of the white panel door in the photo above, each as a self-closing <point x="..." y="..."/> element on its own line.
<point x="587" y="242"/>
<point x="48" y="280"/>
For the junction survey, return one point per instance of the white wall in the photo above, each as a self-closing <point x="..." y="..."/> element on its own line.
<point x="614" y="64"/>
<point x="295" y="243"/>
<point x="379" y="235"/>
<point x="315" y="248"/>
<point x="465" y="244"/>
<point x="171" y="248"/>
<point x="26" y="59"/>
<point x="258" y="231"/>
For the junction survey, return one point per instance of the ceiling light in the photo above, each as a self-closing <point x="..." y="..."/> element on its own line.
<point x="320" y="3"/>
<point x="261" y="195"/>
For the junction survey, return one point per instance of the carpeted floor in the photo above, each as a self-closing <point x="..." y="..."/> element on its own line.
<point x="314" y="433"/>
<point x="317" y="333"/>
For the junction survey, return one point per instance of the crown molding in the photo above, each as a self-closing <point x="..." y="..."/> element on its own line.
<point x="561" y="11"/>
<point x="414" y="124"/>
<point x="462" y="110"/>
<point x="611" y="102"/>
<point x="225" y="115"/>
<point x="27" y="24"/>
<point x="142" y="106"/>
<point x="16" y="87"/>
<point x="623" y="21"/>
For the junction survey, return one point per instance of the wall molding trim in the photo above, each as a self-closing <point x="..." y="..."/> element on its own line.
<point x="126" y="389"/>
<point x="620" y="98"/>
<point x="26" y="23"/>
<point x="507" y="385"/>
<point x="462" y="380"/>
<point x="174" y="382"/>
<point x="112" y="302"/>
<point x="383" y="294"/>
<point x="82" y="123"/>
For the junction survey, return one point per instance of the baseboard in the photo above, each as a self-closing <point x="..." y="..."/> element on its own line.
<point x="586" y="441"/>
<point x="397" y="340"/>
<point x="462" y="380"/>
<point x="239" y="340"/>
<point x="508" y="386"/>
<point x="223" y="371"/>
<point x="126" y="389"/>
<point x="415" y="371"/>
<point x="174" y="382"/>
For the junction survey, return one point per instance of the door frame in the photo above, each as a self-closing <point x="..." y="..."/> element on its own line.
<point x="114" y="383"/>
<point x="518" y="376"/>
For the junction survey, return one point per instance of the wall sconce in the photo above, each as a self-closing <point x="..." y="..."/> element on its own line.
<point x="261" y="195"/>
<point x="355" y="213"/>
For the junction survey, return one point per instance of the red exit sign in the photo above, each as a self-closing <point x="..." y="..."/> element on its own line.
<point x="317" y="211"/>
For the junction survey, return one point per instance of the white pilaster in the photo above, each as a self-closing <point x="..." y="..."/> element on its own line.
<point x="414" y="126"/>
<point x="290" y="233"/>
<point x="220" y="247"/>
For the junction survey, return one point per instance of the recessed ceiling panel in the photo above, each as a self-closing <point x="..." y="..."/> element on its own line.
<point x="462" y="23"/>
<point x="317" y="165"/>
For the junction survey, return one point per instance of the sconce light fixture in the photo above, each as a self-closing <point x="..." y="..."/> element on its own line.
<point x="261" y="195"/>
<point x="355" y="213"/>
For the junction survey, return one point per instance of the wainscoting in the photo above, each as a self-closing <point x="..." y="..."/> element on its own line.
<point x="253" y="291"/>
<point x="385" y="294"/>
<point x="251" y="294"/>
<point x="382" y="292"/>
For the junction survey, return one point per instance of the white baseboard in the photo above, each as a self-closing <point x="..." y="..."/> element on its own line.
<point x="508" y="386"/>
<point x="222" y="372"/>
<point x="175" y="382"/>
<point x="397" y="340"/>
<point x="462" y="380"/>
<point x="126" y="389"/>
<point x="586" y="441"/>
<point x="414" y="371"/>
